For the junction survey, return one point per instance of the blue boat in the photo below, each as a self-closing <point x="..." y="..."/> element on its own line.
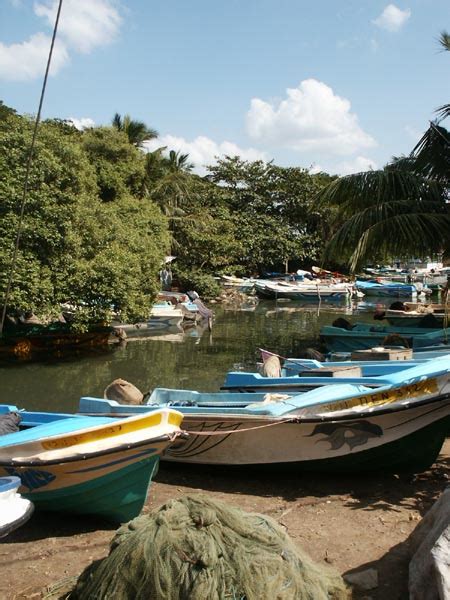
<point x="400" y="425"/>
<point x="86" y="465"/>
<point x="362" y="336"/>
<point x="391" y="289"/>
<point x="301" y="376"/>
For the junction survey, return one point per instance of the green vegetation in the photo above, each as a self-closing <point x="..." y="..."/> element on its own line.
<point x="102" y="213"/>
<point x="90" y="237"/>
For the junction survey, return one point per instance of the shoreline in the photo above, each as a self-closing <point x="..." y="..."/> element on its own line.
<point x="351" y="522"/>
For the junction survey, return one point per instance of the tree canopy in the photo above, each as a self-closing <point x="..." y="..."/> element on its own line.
<point x="89" y="237"/>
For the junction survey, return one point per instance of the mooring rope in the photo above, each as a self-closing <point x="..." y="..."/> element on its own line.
<point x="229" y="431"/>
<point x="27" y="172"/>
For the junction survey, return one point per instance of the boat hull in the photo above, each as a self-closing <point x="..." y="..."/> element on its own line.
<point x="22" y="348"/>
<point x="364" y="337"/>
<point x="403" y="440"/>
<point x="14" y="510"/>
<point x="399" y="429"/>
<point x="115" y="489"/>
<point x="86" y="465"/>
<point x="312" y="295"/>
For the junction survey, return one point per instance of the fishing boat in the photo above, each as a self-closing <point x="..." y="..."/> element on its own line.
<point x="365" y="335"/>
<point x="164" y="317"/>
<point x="295" y="377"/>
<point x="33" y="341"/>
<point x="386" y="289"/>
<point x="85" y="465"/>
<point x="310" y="290"/>
<point x="301" y="374"/>
<point x="14" y="510"/>
<point x="241" y="284"/>
<point x="413" y="314"/>
<point x="400" y="426"/>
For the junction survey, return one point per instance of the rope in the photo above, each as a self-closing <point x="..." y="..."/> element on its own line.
<point x="228" y="432"/>
<point x="27" y="173"/>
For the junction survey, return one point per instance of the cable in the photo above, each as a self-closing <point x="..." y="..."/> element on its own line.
<point x="27" y="173"/>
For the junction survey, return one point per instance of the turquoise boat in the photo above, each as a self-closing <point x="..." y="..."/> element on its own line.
<point x="301" y="375"/>
<point x="386" y="289"/>
<point x="362" y="336"/>
<point x="399" y="426"/>
<point x="85" y="465"/>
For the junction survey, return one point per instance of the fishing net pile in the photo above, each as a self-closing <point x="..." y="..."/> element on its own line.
<point x="197" y="548"/>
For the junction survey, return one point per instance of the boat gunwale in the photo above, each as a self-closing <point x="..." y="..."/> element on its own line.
<point x="299" y="419"/>
<point x="166" y="437"/>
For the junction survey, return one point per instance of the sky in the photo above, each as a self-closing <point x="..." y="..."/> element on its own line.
<point x="339" y="86"/>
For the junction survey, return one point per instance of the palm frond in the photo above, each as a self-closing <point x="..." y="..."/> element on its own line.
<point x="443" y="112"/>
<point x="444" y="40"/>
<point x="432" y="154"/>
<point x="354" y="193"/>
<point x="408" y="233"/>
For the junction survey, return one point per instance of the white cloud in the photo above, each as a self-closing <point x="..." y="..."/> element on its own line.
<point x="83" y="24"/>
<point x="356" y="165"/>
<point x="202" y="150"/>
<point x="83" y="123"/>
<point x="27" y="60"/>
<point x="392" y="18"/>
<point x="312" y="118"/>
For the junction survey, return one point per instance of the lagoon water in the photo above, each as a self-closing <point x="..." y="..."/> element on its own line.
<point x="196" y="359"/>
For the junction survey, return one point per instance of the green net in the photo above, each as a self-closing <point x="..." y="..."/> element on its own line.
<point x="197" y="548"/>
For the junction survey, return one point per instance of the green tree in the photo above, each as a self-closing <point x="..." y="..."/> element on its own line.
<point x="276" y="214"/>
<point x="169" y="183"/>
<point x="5" y="111"/>
<point x="98" y="252"/>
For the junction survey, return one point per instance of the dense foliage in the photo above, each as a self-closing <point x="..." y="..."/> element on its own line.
<point x="101" y="214"/>
<point x="89" y="237"/>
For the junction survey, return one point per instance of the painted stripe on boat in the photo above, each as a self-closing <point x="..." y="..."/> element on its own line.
<point x="413" y="390"/>
<point x="116" y="462"/>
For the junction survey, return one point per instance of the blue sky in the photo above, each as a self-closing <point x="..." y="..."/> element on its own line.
<point x="338" y="85"/>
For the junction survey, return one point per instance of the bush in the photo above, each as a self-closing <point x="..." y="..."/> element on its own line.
<point x="205" y="285"/>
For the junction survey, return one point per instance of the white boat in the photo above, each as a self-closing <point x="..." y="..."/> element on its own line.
<point x="165" y="317"/>
<point x="400" y="426"/>
<point x="310" y="290"/>
<point x="14" y="510"/>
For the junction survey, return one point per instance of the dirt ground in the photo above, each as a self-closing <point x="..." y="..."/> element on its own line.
<point x="352" y="523"/>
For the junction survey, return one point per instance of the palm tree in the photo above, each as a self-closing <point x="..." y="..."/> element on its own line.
<point x="137" y="131"/>
<point x="178" y="162"/>
<point x="402" y="209"/>
<point x="169" y="184"/>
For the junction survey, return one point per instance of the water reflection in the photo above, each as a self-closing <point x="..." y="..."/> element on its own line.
<point x="195" y="358"/>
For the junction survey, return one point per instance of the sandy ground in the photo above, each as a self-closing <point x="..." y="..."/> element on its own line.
<point x="352" y="523"/>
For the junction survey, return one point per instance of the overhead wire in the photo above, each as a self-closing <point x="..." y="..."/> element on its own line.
<point x="27" y="173"/>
